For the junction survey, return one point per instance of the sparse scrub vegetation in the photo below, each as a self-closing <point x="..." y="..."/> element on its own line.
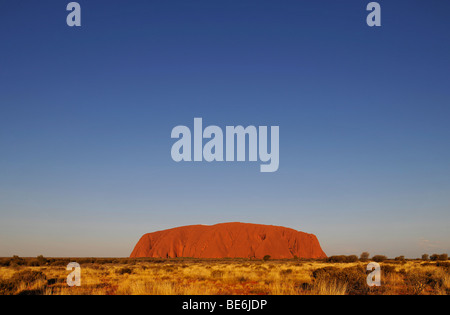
<point x="337" y="275"/>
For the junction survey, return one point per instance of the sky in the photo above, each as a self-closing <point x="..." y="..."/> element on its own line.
<point x="86" y="115"/>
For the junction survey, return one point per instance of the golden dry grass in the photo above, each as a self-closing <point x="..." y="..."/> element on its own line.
<point x="198" y="277"/>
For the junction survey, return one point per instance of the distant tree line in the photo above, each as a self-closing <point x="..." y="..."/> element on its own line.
<point x="365" y="256"/>
<point x="43" y="261"/>
<point x="435" y="257"/>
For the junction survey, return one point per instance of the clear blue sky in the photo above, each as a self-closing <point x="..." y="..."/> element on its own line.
<point x="86" y="115"/>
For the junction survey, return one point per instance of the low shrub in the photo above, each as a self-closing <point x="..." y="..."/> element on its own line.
<point x="217" y="274"/>
<point x="28" y="276"/>
<point x="286" y="272"/>
<point x="354" y="277"/>
<point x="124" y="270"/>
<point x="364" y="256"/>
<point x="342" y="259"/>
<point x="379" y="258"/>
<point x="387" y="269"/>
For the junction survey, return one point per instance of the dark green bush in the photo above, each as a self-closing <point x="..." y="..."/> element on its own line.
<point x="336" y="259"/>
<point x="364" y="256"/>
<point x="342" y="259"/>
<point x="434" y="257"/>
<point x="352" y="258"/>
<point x="443" y="257"/>
<point x="379" y="258"/>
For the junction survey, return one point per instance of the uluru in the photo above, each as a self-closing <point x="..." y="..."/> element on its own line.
<point x="229" y="240"/>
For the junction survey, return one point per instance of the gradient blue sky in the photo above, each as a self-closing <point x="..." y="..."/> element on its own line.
<point x="86" y="115"/>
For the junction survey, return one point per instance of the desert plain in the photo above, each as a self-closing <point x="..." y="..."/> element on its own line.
<point x="336" y="275"/>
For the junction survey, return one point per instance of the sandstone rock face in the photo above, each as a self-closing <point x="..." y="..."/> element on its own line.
<point x="229" y="240"/>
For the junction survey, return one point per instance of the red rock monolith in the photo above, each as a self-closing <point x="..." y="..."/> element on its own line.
<point x="229" y="240"/>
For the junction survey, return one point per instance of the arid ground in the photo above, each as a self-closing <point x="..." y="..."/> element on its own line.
<point x="123" y="276"/>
